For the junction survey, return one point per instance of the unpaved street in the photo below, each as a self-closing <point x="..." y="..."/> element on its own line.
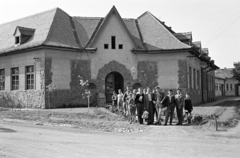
<point x="31" y="141"/>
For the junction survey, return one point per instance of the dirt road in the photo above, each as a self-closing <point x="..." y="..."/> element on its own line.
<point x="32" y="141"/>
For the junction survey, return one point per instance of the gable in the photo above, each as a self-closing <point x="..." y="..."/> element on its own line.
<point x="114" y="22"/>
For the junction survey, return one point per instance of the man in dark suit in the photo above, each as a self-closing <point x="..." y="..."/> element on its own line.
<point x="148" y="103"/>
<point x="169" y="102"/>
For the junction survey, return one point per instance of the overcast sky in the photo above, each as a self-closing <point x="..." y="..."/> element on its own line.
<point x="216" y="23"/>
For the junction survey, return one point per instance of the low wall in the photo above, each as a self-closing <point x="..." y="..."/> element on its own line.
<point x="22" y="99"/>
<point x="69" y="98"/>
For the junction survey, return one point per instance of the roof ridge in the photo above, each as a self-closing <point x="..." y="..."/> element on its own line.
<point x="85" y="17"/>
<point x="29" y="16"/>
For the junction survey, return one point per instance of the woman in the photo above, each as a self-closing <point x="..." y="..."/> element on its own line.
<point x="119" y="100"/>
<point x="139" y="100"/>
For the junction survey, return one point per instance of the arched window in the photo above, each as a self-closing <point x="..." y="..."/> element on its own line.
<point x="92" y="86"/>
<point x="136" y="86"/>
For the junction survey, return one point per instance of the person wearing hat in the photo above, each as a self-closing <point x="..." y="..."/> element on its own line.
<point x="179" y="106"/>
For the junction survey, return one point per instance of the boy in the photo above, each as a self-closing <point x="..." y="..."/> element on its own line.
<point x="132" y="108"/>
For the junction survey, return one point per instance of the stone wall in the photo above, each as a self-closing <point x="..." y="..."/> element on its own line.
<point x="147" y="74"/>
<point x="113" y="66"/>
<point x="23" y="99"/>
<point x="69" y="98"/>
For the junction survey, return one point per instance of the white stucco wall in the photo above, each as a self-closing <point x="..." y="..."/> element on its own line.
<point x="21" y="60"/>
<point x="103" y="56"/>
<point x="167" y="67"/>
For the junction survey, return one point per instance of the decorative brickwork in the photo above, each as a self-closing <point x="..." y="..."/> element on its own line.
<point x="73" y="97"/>
<point x="147" y="73"/>
<point x="182" y="74"/>
<point x="48" y="71"/>
<point x="113" y="66"/>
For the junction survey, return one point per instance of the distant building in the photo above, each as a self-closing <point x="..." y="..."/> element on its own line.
<point x="111" y="52"/>
<point x="225" y="84"/>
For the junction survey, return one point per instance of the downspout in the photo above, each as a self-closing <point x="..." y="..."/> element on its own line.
<point x="202" y="80"/>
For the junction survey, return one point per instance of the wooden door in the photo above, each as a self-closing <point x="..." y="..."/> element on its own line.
<point x="110" y="87"/>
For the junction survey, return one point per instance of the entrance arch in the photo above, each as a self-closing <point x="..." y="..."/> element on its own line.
<point x="113" y="82"/>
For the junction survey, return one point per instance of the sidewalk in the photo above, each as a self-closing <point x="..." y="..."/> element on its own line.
<point x="218" y="101"/>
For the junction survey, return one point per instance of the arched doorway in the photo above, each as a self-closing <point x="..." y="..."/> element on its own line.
<point x="113" y="82"/>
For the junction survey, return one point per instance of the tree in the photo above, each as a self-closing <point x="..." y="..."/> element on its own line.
<point x="236" y="71"/>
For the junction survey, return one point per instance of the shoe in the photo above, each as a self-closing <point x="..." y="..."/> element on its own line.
<point x="165" y="124"/>
<point x="178" y="124"/>
<point x="156" y="123"/>
<point x="170" y="124"/>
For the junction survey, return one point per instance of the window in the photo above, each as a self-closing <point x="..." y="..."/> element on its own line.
<point x="15" y="78"/>
<point x="227" y="86"/>
<point x="17" y="40"/>
<point x="190" y="77"/>
<point x="113" y="40"/>
<point x="198" y="80"/>
<point x="105" y="46"/>
<point x="231" y="88"/>
<point x="29" y="77"/>
<point x="2" y="79"/>
<point x="194" y="78"/>
<point x="120" y="46"/>
<point x="216" y="86"/>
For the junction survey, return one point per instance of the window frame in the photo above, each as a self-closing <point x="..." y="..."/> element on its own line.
<point x="31" y="79"/>
<point x="15" y="86"/>
<point x="2" y="74"/>
<point x="113" y="42"/>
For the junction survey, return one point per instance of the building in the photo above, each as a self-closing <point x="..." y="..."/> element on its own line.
<point x="111" y="52"/>
<point x="225" y="84"/>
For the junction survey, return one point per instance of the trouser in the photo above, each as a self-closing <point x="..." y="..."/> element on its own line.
<point x="150" y="112"/>
<point x="140" y="112"/>
<point x="170" y="113"/>
<point x="155" y="112"/>
<point x="180" y="115"/>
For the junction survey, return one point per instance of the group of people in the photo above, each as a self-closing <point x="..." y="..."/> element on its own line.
<point x="154" y="103"/>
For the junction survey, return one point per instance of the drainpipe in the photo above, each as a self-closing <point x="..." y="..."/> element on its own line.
<point x="202" y="80"/>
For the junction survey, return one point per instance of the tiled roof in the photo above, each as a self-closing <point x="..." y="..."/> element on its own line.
<point x="85" y="26"/>
<point x="224" y="73"/>
<point x="41" y="22"/>
<point x="56" y="28"/>
<point x="156" y="35"/>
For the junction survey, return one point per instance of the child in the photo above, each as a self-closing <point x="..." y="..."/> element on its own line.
<point x="132" y="108"/>
<point x="188" y="107"/>
<point x="114" y="99"/>
<point x="119" y="100"/>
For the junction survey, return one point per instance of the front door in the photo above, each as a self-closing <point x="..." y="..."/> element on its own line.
<point x="114" y="82"/>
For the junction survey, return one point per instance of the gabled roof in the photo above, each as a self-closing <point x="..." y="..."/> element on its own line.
<point x="56" y="28"/>
<point x="103" y="24"/>
<point x="224" y="73"/>
<point x="23" y="31"/>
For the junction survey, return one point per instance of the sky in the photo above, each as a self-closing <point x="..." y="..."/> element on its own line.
<point x="216" y="23"/>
